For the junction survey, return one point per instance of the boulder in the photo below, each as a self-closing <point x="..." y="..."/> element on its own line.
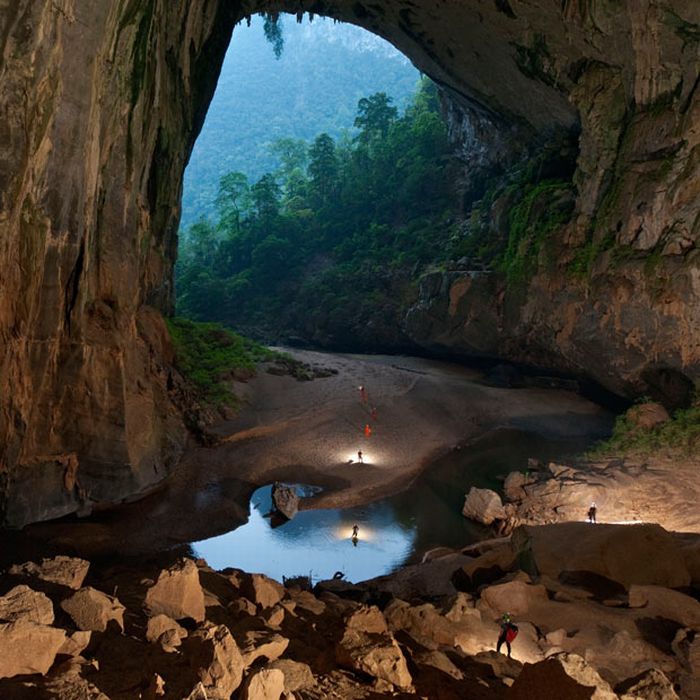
<point x="513" y="486"/>
<point x="65" y="571"/>
<point x="647" y="416"/>
<point x="483" y="505"/>
<point x="262" y="590"/>
<point x="285" y="500"/>
<point x="438" y="660"/>
<point x="629" y="554"/>
<point x="92" y="610"/>
<point x="662" y="602"/>
<point x="297" y="676"/>
<point x="165" y="631"/>
<point x="422" y="623"/>
<point x="263" y="643"/>
<point x="378" y="656"/>
<point x="28" y="647"/>
<point x="23" y="603"/>
<point x="213" y="652"/>
<point x="515" y="597"/>
<point x="307" y="601"/>
<point x="367" y="618"/>
<point x="652" y="684"/>
<point x="265" y="684"/>
<point x="177" y="593"/>
<point x="561" y="676"/>
<point x="75" y="643"/>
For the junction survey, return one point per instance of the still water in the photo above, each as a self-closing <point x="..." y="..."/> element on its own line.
<point x="392" y="532"/>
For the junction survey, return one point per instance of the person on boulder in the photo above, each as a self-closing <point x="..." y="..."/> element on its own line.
<point x="359" y="457"/>
<point x="592" y="513"/>
<point x="509" y="631"/>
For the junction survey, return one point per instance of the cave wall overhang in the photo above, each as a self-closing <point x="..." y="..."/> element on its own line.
<point x="100" y="104"/>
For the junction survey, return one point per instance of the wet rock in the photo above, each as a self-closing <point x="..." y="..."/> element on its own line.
<point x="177" y="593"/>
<point x="66" y="571"/>
<point x="22" y="603"/>
<point x="265" y="684"/>
<point x="262" y="590"/>
<point x="483" y="505"/>
<point x="652" y="684"/>
<point x="257" y="644"/>
<point x="93" y="610"/>
<point x="629" y="554"/>
<point x="647" y="415"/>
<point x="560" y="676"/>
<point x="285" y="500"/>
<point x="214" y="654"/>
<point x="165" y="631"/>
<point x="28" y="647"/>
<point x="297" y="675"/>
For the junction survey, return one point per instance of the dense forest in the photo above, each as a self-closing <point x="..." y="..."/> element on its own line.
<point x="311" y="86"/>
<point x="332" y="240"/>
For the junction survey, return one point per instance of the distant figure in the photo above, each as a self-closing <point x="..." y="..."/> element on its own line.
<point x="363" y="393"/>
<point x="368" y="430"/>
<point x="355" y="530"/>
<point x="359" y="457"/>
<point x="592" y="513"/>
<point x="509" y="632"/>
<point x="373" y="413"/>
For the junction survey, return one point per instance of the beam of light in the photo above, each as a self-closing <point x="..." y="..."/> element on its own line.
<point x="351" y="457"/>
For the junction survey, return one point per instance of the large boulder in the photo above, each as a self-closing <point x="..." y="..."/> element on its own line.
<point x="285" y="500"/>
<point x="93" y="610"/>
<point x="483" y="505"/>
<point x="647" y="416"/>
<point x="368" y="647"/>
<point x="297" y="675"/>
<point x="262" y="590"/>
<point x="662" y="602"/>
<point x="165" y="631"/>
<point x="28" y="647"/>
<point x="214" y="654"/>
<point x="177" y="593"/>
<point x="642" y="554"/>
<point x="263" y="643"/>
<point x="560" y="677"/>
<point x="22" y="603"/>
<point x="652" y="684"/>
<point x="66" y="571"/>
<point x="515" y="597"/>
<point x="265" y="684"/>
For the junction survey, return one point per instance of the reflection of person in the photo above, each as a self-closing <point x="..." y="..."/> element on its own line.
<point x="592" y="513"/>
<point x="355" y="536"/>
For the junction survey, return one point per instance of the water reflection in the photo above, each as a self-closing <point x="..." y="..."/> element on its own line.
<point x="316" y="543"/>
<point x="391" y="532"/>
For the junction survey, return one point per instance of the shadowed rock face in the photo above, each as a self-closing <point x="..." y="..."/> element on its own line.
<point x="101" y="103"/>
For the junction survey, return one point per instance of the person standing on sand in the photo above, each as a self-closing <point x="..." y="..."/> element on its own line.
<point x="359" y="456"/>
<point x="592" y="513"/>
<point x="509" y="632"/>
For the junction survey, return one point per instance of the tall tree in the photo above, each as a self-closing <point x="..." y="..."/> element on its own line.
<point x="323" y="167"/>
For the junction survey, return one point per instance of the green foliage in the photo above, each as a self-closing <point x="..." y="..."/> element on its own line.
<point x="340" y="225"/>
<point x="313" y="87"/>
<point x="273" y="33"/>
<point x="208" y="354"/>
<point x="679" y="436"/>
<point x="543" y="209"/>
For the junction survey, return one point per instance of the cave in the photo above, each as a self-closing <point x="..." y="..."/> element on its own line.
<point x="101" y="106"/>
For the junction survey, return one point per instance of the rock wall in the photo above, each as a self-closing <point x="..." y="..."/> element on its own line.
<point x="100" y="104"/>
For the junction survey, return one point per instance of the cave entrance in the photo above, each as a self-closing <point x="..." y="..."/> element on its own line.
<point x="307" y="218"/>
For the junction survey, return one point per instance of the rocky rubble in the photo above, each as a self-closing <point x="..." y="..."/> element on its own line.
<point x="585" y="630"/>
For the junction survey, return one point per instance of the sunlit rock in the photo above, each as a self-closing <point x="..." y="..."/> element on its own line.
<point x="177" y="593"/>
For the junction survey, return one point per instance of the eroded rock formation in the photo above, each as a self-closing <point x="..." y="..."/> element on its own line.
<point x="100" y="106"/>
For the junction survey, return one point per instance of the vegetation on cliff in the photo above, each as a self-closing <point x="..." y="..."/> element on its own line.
<point x="341" y="228"/>
<point x="207" y="355"/>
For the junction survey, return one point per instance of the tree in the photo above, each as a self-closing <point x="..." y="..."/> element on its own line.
<point x="265" y="195"/>
<point x="292" y="153"/>
<point x="233" y="189"/>
<point x="323" y="167"/>
<point x="375" y="114"/>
